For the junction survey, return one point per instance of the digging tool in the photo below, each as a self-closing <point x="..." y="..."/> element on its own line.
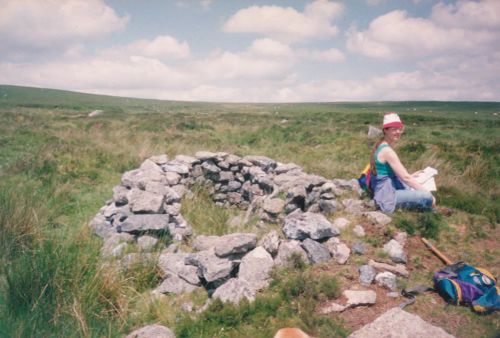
<point x="438" y="253"/>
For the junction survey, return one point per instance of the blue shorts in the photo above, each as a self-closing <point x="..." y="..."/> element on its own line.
<point x="413" y="199"/>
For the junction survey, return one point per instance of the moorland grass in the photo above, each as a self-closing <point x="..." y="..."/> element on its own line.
<point x="58" y="167"/>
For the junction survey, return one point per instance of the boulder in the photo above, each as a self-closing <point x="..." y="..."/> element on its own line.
<point x="152" y="331"/>
<point x="159" y="159"/>
<point x="147" y="242"/>
<point x="316" y="252"/>
<point x="394" y="322"/>
<point x="136" y="224"/>
<point x="340" y="251"/>
<point x="143" y="202"/>
<point x="377" y="218"/>
<point x="395" y="251"/>
<point x="270" y="242"/>
<point x="386" y="279"/>
<point x="330" y="308"/>
<point x="273" y="206"/>
<point x="234" y="290"/>
<point x="359" y="230"/>
<point x="255" y="267"/>
<point x="120" y="195"/>
<point x="366" y="274"/>
<point x="286" y="250"/>
<point x="176" y="285"/>
<point x="205" y="155"/>
<point x="357" y="298"/>
<point x="236" y="243"/>
<point x="202" y="242"/>
<point x="399" y="269"/>
<point x="328" y="206"/>
<point x="211" y="267"/>
<point x="358" y="248"/>
<point x="298" y="225"/>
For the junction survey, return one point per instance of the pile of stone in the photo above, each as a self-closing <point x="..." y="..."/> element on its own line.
<point x="146" y="206"/>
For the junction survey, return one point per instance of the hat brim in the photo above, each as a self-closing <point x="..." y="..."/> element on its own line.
<point x="396" y="124"/>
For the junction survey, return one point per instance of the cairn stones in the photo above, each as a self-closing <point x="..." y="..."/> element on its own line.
<point x="300" y="226"/>
<point x="152" y="331"/>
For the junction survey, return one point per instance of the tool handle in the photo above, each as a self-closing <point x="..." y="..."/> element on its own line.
<point x="438" y="253"/>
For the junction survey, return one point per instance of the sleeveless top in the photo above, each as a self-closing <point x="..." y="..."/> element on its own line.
<point x="383" y="169"/>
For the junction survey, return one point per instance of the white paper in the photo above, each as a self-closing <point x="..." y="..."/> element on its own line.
<point x="426" y="178"/>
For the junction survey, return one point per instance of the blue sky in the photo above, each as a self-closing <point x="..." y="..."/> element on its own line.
<point x="255" y="51"/>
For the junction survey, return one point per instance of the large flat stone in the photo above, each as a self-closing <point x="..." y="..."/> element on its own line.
<point x="298" y="225"/>
<point x="140" y="223"/>
<point x="397" y="323"/>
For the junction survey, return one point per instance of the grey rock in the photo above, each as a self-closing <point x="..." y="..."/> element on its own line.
<point x="155" y="187"/>
<point x="226" y="176"/>
<point x="353" y="206"/>
<point x="395" y="322"/>
<point x="328" y="207"/>
<point x="265" y="163"/>
<point x="149" y="165"/>
<point x="255" y="267"/>
<point x="173" y="209"/>
<point x="210" y="168"/>
<point x="386" y="279"/>
<point x="135" y="224"/>
<point x="188" y="160"/>
<point x="401" y="237"/>
<point x="101" y="226"/>
<point x="159" y="159"/>
<point x="298" y="225"/>
<point x="130" y="179"/>
<point x="273" y="206"/>
<point x="236" y="243"/>
<point x="171" y="263"/>
<point x="316" y="252"/>
<point x="171" y="196"/>
<point x="399" y="269"/>
<point x="172" y="178"/>
<point x="395" y="251"/>
<point x="95" y="113"/>
<point x="147" y="242"/>
<point x="111" y="242"/>
<point x="205" y="155"/>
<point x="286" y="250"/>
<point x="210" y="267"/>
<point x="120" y="195"/>
<point x="233" y="291"/>
<point x="359" y="230"/>
<point x="234" y="198"/>
<point x="233" y="186"/>
<point x="118" y="250"/>
<point x="366" y="274"/>
<point x="358" y="248"/>
<point x="330" y="308"/>
<point x="190" y="274"/>
<point x="341" y="253"/>
<point x="284" y="168"/>
<point x="174" y="168"/>
<point x="152" y="331"/>
<point x="176" y="285"/>
<point x="378" y="218"/>
<point x="357" y="298"/>
<point x="145" y="202"/>
<point x="270" y="242"/>
<point x="202" y="242"/>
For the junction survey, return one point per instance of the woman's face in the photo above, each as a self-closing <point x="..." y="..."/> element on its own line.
<point x="393" y="134"/>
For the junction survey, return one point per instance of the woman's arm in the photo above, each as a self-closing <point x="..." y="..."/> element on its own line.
<point x="390" y="156"/>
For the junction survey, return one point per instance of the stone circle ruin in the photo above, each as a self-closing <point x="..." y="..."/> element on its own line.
<point x="147" y="205"/>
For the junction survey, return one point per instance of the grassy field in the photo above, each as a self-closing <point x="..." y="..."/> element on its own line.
<point x="58" y="167"/>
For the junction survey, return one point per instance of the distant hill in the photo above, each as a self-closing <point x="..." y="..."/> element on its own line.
<point x="19" y="96"/>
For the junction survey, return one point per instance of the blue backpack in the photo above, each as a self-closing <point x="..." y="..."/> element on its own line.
<point x="365" y="179"/>
<point x="460" y="283"/>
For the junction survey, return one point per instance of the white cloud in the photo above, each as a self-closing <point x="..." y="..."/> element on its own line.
<point x="30" y="25"/>
<point x="271" y="48"/>
<point x="331" y="55"/>
<point x="286" y="23"/>
<point x="161" y="47"/>
<point x="396" y="35"/>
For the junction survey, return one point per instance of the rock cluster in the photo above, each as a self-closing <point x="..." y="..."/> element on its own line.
<point x="147" y="206"/>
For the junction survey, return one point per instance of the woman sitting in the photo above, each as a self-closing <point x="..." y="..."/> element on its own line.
<point x="392" y="185"/>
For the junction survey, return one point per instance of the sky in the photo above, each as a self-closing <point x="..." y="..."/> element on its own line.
<point x="255" y="50"/>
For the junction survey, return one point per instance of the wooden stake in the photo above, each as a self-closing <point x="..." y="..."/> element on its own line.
<point x="438" y="253"/>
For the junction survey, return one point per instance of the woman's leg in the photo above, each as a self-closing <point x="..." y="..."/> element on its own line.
<point x="414" y="199"/>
